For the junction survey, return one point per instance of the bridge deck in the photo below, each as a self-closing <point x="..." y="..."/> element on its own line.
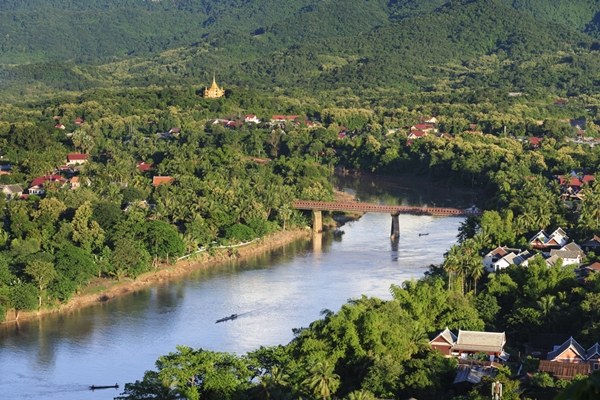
<point x="380" y="208"/>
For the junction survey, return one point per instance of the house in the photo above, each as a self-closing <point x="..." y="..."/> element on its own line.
<point x="416" y="134"/>
<point x="59" y="126"/>
<point x="572" y="184"/>
<point x="571" y="359"/>
<point x="12" y="191"/>
<point x="592" y="245"/>
<point x="5" y="169"/>
<point x="174" y="131"/>
<point x="444" y="135"/>
<point x="593" y="267"/>
<point x="162" y="180"/>
<point x="431" y="120"/>
<point x="443" y="342"/>
<point x="74" y="183"/>
<point x="425" y="127"/>
<point x="144" y="166"/>
<point x="38" y="185"/>
<point x="79" y="121"/>
<point x="567" y="257"/>
<point x="473" y="342"/>
<point x="495" y="255"/>
<point x="77" y="158"/>
<point x="468" y="343"/>
<point x="284" y="118"/>
<point x="251" y="118"/>
<point x="535" y="142"/>
<point x="543" y="241"/>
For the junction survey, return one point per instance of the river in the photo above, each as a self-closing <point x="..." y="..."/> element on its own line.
<point x="59" y="356"/>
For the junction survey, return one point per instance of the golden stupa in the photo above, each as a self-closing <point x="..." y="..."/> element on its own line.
<point x="214" y="91"/>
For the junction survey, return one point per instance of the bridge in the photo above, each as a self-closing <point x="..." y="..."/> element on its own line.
<point x="395" y="210"/>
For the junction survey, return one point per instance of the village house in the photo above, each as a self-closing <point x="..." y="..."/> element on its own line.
<point x="571" y="185"/>
<point x="502" y="257"/>
<point x="416" y="135"/>
<point x="468" y="343"/>
<point x="570" y="359"/>
<point x="424" y="127"/>
<point x="251" y="118"/>
<point x="39" y="185"/>
<point x="77" y="159"/>
<point x="543" y="241"/>
<point x="5" y="169"/>
<point x="162" y="180"/>
<point x="12" y="191"/>
<point x="279" y="119"/>
<point x="535" y="142"/>
<point x="592" y="244"/>
<point x="79" y="121"/>
<point x="144" y="166"/>
<point x="74" y="182"/>
<point x="570" y="254"/>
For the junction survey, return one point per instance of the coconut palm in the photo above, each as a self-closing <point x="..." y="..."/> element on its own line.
<point x="323" y="381"/>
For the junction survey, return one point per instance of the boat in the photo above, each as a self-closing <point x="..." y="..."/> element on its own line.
<point x="423" y="234"/>
<point x="229" y="318"/>
<point x="96" y="387"/>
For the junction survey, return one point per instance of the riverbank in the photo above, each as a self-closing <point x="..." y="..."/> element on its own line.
<point x="103" y="289"/>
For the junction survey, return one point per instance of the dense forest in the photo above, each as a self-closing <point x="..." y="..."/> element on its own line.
<point x="514" y="89"/>
<point x="301" y="46"/>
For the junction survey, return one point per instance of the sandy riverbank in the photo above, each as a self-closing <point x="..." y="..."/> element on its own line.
<point x="101" y="290"/>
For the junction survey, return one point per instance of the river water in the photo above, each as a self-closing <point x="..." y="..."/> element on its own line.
<point x="58" y="357"/>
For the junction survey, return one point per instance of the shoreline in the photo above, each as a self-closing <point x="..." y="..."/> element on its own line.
<point x="101" y="290"/>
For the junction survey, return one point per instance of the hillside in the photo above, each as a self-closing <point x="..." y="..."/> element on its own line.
<point x="316" y="45"/>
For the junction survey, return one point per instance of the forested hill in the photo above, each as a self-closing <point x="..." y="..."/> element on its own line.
<point x="77" y="44"/>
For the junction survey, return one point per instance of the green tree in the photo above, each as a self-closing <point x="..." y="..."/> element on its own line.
<point x="23" y="296"/>
<point x="322" y="382"/>
<point x="42" y="273"/>
<point x="87" y="232"/>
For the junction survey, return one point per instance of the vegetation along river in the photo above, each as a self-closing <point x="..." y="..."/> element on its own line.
<point x="59" y="356"/>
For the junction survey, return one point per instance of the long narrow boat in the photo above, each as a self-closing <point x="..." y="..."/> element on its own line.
<point x="96" y="387"/>
<point x="232" y="316"/>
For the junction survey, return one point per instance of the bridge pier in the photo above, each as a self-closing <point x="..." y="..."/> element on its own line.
<point x="395" y="233"/>
<point x="317" y="222"/>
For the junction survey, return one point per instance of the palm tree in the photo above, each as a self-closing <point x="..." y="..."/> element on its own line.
<point x="361" y="395"/>
<point x="273" y="383"/>
<point x="452" y="263"/>
<point x="322" y="381"/>
<point x="546" y="304"/>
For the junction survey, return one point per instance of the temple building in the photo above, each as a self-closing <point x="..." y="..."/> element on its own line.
<point x="214" y="91"/>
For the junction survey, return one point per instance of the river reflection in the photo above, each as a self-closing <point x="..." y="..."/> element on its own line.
<point x="58" y="356"/>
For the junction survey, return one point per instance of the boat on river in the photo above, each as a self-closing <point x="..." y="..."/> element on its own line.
<point x="229" y="318"/>
<point x="423" y="234"/>
<point x="96" y="387"/>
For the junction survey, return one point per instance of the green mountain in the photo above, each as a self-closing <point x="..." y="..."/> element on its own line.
<point x="308" y="44"/>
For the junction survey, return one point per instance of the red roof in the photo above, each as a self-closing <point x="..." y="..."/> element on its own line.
<point x="144" y="167"/>
<point x="418" y="133"/>
<point x="588" y="178"/>
<point x="422" y="127"/>
<point x="77" y="156"/>
<point x="78" y="121"/>
<point x="41" y="180"/>
<point x="535" y="141"/>
<point x="162" y="180"/>
<point x="284" y="117"/>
